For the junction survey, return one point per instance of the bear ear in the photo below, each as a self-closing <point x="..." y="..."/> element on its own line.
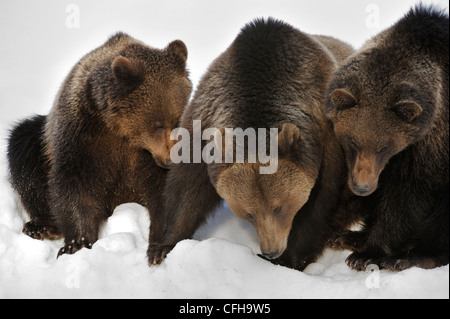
<point x="407" y="110"/>
<point x="127" y="71"/>
<point x="342" y="99"/>
<point x="287" y="137"/>
<point x="178" y="48"/>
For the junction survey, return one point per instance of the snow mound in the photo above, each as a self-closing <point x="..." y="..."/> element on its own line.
<point x="220" y="262"/>
<point x="205" y="267"/>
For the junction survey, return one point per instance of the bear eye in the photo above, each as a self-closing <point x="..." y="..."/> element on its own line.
<point x="278" y="210"/>
<point x="352" y="144"/>
<point x="249" y="217"/>
<point x="159" y="126"/>
<point x="383" y="150"/>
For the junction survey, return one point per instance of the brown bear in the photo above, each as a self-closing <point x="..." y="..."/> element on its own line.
<point x="389" y="107"/>
<point x="105" y="142"/>
<point x="271" y="77"/>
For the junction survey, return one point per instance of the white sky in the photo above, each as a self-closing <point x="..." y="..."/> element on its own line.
<point x="38" y="47"/>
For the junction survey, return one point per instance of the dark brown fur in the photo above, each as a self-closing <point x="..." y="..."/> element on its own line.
<point x="389" y="106"/>
<point x="272" y="76"/>
<point x="104" y="143"/>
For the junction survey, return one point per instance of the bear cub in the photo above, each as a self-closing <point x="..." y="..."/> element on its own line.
<point x="389" y="106"/>
<point x="105" y="142"/>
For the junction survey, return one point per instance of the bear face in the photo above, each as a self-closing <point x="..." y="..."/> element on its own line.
<point x="268" y="201"/>
<point x="151" y="88"/>
<point x="375" y="121"/>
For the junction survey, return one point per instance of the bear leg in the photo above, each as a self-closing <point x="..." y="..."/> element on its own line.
<point x="29" y="168"/>
<point x="392" y="245"/>
<point x="154" y="202"/>
<point x="190" y="198"/>
<point x="79" y="220"/>
<point x="82" y="234"/>
<point x="349" y="240"/>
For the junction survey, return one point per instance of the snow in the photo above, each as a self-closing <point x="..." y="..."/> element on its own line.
<point x="221" y="260"/>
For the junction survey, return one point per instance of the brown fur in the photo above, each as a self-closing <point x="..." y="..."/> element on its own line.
<point x="339" y="50"/>
<point x="246" y="193"/>
<point x="272" y="76"/>
<point x="268" y="202"/>
<point x="389" y="106"/>
<point x="106" y="139"/>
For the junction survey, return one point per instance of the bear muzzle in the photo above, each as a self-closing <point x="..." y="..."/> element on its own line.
<point x="272" y="244"/>
<point x="363" y="179"/>
<point x="271" y="255"/>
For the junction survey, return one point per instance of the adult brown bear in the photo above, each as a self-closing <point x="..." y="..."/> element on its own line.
<point x="272" y="76"/>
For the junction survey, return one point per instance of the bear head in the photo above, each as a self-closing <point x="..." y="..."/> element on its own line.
<point x="142" y="92"/>
<point x="380" y="103"/>
<point x="269" y="201"/>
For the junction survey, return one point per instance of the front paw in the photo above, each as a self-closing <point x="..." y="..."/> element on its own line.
<point x="72" y="246"/>
<point x="40" y="231"/>
<point x="409" y="260"/>
<point x="358" y="261"/>
<point x="157" y="253"/>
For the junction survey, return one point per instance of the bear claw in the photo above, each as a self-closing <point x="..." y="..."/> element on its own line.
<point x="359" y="262"/>
<point x="157" y="253"/>
<point x="73" y="246"/>
<point x="36" y="230"/>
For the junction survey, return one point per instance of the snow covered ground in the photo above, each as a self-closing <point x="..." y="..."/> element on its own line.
<point x="41" y="40"/>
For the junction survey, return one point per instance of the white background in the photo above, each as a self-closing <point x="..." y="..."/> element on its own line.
<point x="38" y="47"/>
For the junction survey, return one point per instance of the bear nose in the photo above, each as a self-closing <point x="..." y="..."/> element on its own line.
<point x="168" y="161"/>
<point x="271" y="255"/>
<point x="361" y="189"/>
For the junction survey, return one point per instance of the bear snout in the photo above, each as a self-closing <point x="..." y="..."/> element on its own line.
<point x="363" y="186"/>
<point x="361" y="190"/>
<point x="271" y="255"/>
<point x="162" y="161"/>
<point x="363" y="179"/>
<point x="272" y="246"/>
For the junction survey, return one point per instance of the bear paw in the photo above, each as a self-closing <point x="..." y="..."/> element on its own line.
<point x="40" y="231"/>
<point x="71" y="247"/>
<point x="358" y="261"/>
<point x="157" y="253"/>
<point x="408" y="261"/>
